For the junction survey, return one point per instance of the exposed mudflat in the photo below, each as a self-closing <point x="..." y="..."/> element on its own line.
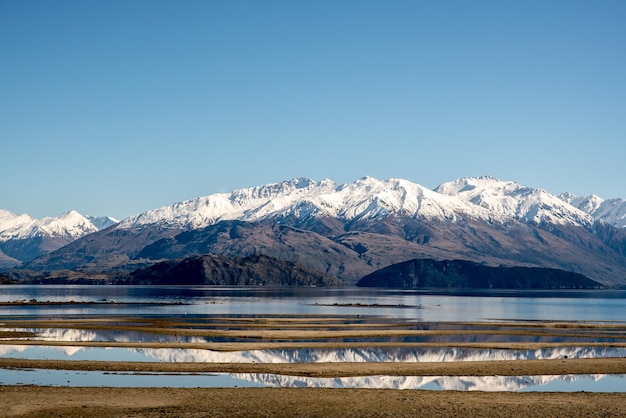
<point x="468" y="368"/>
<point x="34" y="401"/>
<point x="267" y="332"/>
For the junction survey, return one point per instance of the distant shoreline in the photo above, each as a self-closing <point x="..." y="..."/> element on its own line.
<point x="73" y="302"/>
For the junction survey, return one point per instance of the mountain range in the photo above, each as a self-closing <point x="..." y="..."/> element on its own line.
<point x="343" y="230"/>
<point x="23" y="237"/>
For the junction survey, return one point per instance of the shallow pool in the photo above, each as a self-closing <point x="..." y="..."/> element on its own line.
<point x="547" y="383"/>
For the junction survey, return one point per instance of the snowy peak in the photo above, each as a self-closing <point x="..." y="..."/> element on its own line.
<point x="507" y="199"/>
<point x="251" y="203"/>
<point x="69" y="226"/>
<point x="611" y="211"/>
<point x="372" y="198"/>
<point x="588" y="204"/>
<point x="366" y="198"/>
<point x="11" y="223"/>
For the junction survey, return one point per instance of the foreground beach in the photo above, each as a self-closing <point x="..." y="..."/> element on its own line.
<point x="33" y="401"/>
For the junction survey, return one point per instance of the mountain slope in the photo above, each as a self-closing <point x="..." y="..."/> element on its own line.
<point x="253" y="270"/>
<point x="348" y="256"/>
<point x="7" y="262"/>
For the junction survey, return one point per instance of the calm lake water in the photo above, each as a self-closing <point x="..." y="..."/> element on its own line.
<point x="599" y="305"/>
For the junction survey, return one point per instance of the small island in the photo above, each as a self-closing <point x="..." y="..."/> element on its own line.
<point x="428" y="273"/>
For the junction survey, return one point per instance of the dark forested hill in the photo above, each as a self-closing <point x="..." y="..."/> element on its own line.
<point x="427" y="273"/>
<point x="214" y="270"/>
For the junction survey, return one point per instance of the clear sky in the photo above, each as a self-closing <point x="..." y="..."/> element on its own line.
<point x="115" y="107"/>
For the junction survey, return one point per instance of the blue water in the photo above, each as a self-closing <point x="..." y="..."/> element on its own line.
<point x="594" y="306"/>
<point x="566" y="383"/>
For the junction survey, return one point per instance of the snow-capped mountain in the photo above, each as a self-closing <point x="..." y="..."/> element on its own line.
<point x="481" y="198"/>
<point x="510" y="200"/>
<point x="23" y="237"/>
<point x="367" y="198"/>
<point x="70" y="225"/>
<point x="611" y="211"/>
<point x="350" y="230"/>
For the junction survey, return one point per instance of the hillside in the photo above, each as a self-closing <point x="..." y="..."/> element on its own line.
<point x="425" y="273"/>
<point x="255" y="270"/>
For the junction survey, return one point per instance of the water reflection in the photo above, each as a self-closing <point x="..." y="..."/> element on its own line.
<point x="306" y="355"/>
<point x="565" y="383"/>
<point x="72" y="353"/>
<point x="114" y="335"/>
<point x="77" y="335"/>
<point x="385" y="355"/>
<point x="72" y="378"/>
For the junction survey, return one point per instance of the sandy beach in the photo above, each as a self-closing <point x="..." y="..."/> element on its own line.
<point x="33" y="401"/>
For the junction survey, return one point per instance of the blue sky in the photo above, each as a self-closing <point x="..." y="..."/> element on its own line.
<point x="116" y="107"/>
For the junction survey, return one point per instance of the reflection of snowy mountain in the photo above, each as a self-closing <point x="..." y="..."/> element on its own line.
<point x="462" y="383"/>
<point x="309" y="355"/>
<point x="51" y="334"/>
<point x="6" y="350"/>
<point x="26" y="351"/>
<point x="77" y="335"/>
<point x="407" y="355"/>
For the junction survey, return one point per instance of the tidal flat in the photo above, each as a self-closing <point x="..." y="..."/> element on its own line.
<point x="300" y="347"/>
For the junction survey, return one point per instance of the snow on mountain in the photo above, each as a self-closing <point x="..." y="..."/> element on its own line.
<point x="507" y="199"/>
<point x="366" y="198"/>
<point x="611" y="211"/>
<point x="69" y="225"/>
<point x="102" y="222"/>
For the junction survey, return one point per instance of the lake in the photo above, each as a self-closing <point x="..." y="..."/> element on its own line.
<point x="429" y="306"/>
